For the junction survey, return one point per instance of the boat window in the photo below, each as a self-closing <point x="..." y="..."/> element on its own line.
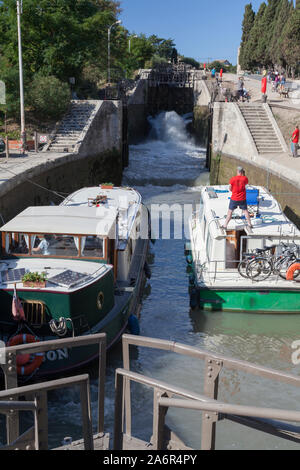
<point x="52" y="245"/>
<point x="56" y="245"/>
<point x="92" y="247"/>
<point x="17" y="243"/>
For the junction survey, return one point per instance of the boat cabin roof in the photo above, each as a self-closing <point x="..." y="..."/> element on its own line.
<point x="122" y="201"/>
<point x="64" y="220"/>
<point x="269" y="222"/>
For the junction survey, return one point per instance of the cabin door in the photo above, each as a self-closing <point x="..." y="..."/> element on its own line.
<point x="233" y="248"/>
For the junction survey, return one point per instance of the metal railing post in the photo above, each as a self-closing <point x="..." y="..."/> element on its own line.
<point x="127" y="397"/>
<point x="101" y="385"/>
<point x="212" y="370"/>
<point x="87" y="428"/>
<point x="118" y="424"/>
<point x="11" y="381"/>
<point x="159" y="416"/>
<point x="41" y="433"/>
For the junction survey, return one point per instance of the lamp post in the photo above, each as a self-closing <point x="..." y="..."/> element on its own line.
<point x="135" y="36"/>
<point x="23" y="131"/>
<point x="108" y="50"/>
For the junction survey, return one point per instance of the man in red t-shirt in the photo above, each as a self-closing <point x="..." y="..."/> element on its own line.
<point x="295" y="141"/>
<point x="237" y="185"/>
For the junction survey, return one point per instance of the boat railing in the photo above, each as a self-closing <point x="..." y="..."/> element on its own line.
<point x="232" y="274"/>
<point x="267" y="420"/>
<point x="8" y="365"/>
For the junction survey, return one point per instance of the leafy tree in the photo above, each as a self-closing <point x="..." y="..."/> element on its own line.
<point x="265" y="41"/>
<point x="284" y="11"/>
<point x="217" y="65"/>
<point x="162" y="47"/>
<point x="49" y="97"/>
<point x="190" y="61"/>
<point x="248" y="22"/>
<point x="291" y="40"/>
<point x="59" y="38"/>
<point x="253" y="54"/>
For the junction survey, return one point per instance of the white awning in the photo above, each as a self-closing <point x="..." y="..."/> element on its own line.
<point x="65" y="220"/>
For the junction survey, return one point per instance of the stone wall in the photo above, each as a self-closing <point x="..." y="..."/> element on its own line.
<point x="201" y="124"/>
<point x="137" y="113"/>
<point x="168" y="98"/>
<point x="99" y="160"/>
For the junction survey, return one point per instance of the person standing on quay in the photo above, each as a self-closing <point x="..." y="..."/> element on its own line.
<point x="295" y="141"/>
<point x="237" y="185"/>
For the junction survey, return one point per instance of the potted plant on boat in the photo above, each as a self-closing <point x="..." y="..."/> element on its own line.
<point x="34" y="280"/>
<point x="107" y="185"/>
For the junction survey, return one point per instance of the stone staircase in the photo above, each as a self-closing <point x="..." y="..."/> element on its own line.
<point x="261" y="128"/>
<point x="72" y="128"/>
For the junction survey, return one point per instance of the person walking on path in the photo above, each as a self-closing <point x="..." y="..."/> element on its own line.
<point x="237" y="185"/>
<point x="240" y="89"/>
<point x="295" y="141"/>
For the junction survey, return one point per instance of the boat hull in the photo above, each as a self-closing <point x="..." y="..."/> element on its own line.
<point x="247" y="300"/>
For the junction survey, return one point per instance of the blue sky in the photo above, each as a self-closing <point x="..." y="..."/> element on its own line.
<point x="200" y="28"/>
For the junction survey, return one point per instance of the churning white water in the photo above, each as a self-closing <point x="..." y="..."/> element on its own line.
<point x="169" y="156"/>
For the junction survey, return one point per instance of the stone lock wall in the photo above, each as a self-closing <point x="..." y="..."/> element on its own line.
<point x="99" y="160"/>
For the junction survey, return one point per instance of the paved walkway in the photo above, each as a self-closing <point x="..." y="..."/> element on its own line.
<point x="253" y="86"/>
<point x="18" y="168"/>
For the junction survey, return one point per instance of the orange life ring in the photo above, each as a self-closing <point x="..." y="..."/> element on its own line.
<point x="24" y="364"/>
<point x="291" y="271"/>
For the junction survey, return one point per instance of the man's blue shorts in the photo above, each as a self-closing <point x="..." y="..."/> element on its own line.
<point x="235" y="204"/>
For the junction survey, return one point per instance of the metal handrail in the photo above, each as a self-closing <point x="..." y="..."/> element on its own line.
<point x="39" y="392"/>
<point x="234" y="412"/>
<point x="7" y="407"/>
<point x="214" y="363"/>
<point x="11" y="379"/>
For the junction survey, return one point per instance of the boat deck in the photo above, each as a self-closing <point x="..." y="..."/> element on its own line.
<point x="231" y="278"/>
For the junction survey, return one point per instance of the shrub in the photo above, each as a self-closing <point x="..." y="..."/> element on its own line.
<point x="49" y="97"/>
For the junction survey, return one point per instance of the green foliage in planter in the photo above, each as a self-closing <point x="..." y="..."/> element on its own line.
<point x="34" y="277"/>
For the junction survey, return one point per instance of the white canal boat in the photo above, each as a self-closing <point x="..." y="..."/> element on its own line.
<point x="240" y="268"/>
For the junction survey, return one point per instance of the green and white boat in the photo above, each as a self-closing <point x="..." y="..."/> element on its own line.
<point x="92" y="249"/>
<point x="214" y="254"/>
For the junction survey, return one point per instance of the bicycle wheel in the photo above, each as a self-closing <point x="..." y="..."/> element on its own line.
<point x="242" y="267"/>
<point x="281" y="267"/>
<point x="259" y="269"/>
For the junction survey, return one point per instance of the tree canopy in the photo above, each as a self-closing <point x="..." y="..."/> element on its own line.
<point x="69" y="38"/>
<point x="270" y="38"/>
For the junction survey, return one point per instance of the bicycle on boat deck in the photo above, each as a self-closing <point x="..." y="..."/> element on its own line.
<point x="260" y="264"/>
